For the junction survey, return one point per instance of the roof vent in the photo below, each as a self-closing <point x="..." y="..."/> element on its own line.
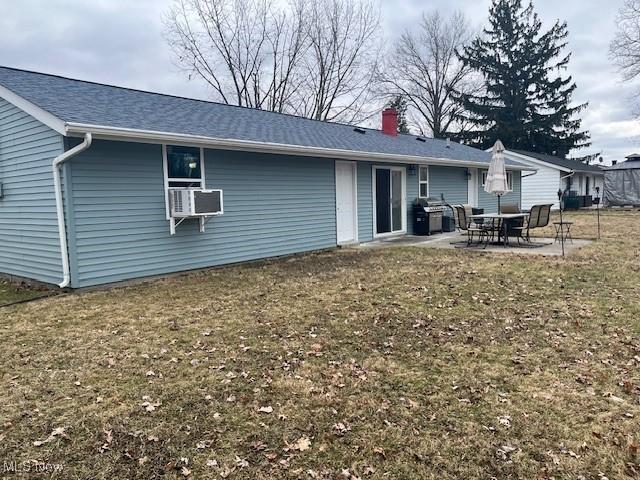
<point x="359" y="130"/>
<point x="448" y="142"/>
<point x="421" y="139"/>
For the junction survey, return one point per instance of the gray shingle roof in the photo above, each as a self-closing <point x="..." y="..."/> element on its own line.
<point x="628" y="165"/>
<point x="573" y="165"/>
<point x="76" y="101"/>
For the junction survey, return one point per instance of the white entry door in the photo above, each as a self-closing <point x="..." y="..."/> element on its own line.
<point x="346" y="203"/>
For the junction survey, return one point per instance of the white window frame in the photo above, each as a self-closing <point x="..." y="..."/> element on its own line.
<point x="422" y="181"/>
<point x="165" y="168"/>
<point x="483" y="179"/>
<point x="403" y="170"/>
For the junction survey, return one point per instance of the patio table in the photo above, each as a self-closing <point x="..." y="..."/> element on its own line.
<point x="503" y="220"/>
<point x="563" y="231"/>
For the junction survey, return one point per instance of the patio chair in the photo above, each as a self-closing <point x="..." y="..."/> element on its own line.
<point x="539" y="217"/>
<point x="514" y="226"/>
<point x="465" y="224"/>
<point x="469" y="211"/>
<point x="510" y="208"/>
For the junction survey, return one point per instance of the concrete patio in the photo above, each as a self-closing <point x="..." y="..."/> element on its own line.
<point x="456" y="240"/>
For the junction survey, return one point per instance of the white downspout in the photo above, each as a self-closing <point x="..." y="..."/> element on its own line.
<point x="62" y="229"/>
<point x="569" y="175"/>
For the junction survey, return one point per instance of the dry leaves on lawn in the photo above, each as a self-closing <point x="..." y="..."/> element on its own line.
<point x="57" y="432"/>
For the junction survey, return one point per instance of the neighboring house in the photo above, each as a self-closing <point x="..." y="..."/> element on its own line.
<point x="288" y="184"/>
<point x="622" y="183"/>
<point x="575" y="178"/>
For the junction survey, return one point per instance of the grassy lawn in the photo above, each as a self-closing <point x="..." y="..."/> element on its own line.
<point x="11" y="293"/>
<point x="394" y="363"/>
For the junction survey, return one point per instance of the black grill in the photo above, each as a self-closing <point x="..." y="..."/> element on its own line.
<point x="427" y="216"/>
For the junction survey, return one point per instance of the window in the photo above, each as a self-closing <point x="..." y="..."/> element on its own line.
<point x="509" y="179"/>
<point x="424" y="182"/>
<point x="183" y="168"/>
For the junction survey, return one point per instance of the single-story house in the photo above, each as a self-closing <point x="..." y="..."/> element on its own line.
<point x="103" y="184"/>
<point x="578" y="180"/>
<point x="622" y="183"/>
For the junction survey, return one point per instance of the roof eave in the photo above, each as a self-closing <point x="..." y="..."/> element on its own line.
<point x="527" y="158"/>
<point x="126" y="134"/>
<point x="535" y="161"/>
<point x="32" y="109"/>
<point x="113" y="133"/>
<point x="593" y="172"/>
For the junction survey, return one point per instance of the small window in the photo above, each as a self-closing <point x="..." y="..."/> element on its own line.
<point x="183" y="168"/>
<point x="424" y="182"/>
<point x="509" y="179"/>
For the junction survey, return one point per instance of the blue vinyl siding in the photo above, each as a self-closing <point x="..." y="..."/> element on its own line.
<point x="449" y="181"/>
<point x="365" y="198"/>
<point x="490" y="202"/>
<point x="365" y="202"/>
<point x="413" y="190"/>
<point x="29" y="240"/>
<point x="273" y="205"/>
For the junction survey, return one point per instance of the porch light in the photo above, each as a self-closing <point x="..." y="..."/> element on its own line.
<point x="411" y="169"/>
<point x="467" y="173"/>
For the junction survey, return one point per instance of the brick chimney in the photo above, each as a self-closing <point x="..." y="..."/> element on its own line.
<point x="390" y="121"/>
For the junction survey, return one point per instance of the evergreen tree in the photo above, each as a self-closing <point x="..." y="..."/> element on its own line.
<point x="400" y="104"/>
<point x="525" y="102"/>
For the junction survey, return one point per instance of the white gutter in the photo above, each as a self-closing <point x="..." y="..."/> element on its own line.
<point x="126" y="134"/>
<point x="62" y="229"/>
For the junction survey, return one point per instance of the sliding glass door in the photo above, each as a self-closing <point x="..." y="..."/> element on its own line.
<point x="389" y="193"/>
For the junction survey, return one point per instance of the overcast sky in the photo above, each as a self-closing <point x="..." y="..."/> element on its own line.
<point x="120" y="42"/>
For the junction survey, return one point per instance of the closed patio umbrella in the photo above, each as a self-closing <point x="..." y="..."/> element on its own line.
<point x="496" y="182"/>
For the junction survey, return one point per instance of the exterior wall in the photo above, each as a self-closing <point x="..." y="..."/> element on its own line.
<point x="365" y="202"/>
<point x="541" y="188"/>
<point x="274" y="205"/>
<point x="490" y="202"/>
<point x="365" y="198"/>
<point x="580" y="183"/>
<point x="598" y="182"/>
<point x="449" y="181"/>
<point x="29" y="239"/>
<point x="413" y="190"/>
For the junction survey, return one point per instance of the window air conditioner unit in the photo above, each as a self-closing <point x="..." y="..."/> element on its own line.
<point x="195" y="202"/>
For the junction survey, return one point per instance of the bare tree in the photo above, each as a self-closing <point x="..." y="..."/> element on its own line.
<point x="624" y="49"/>
<point x="425" y="69"/>
<point x="247" y="51"/>
<point x="312" y="58"/>
<point x="340" y="66"/>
